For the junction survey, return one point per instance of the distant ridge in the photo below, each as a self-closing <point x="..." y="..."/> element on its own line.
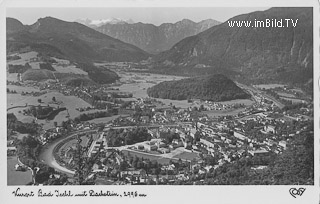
<point x="100" y="22"/>
<point x="155" y="39"/>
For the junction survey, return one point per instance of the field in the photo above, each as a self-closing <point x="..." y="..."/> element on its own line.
<point x="12" y="76"/>
<point x="217" y="113"/>
<point x="187" y="156"/>
<point x="70" y="102"/>
<point x="159" y="159"/>
<point x="175" y="155"/>
<point x="138" y="83"/>
<point x="246" y="102"/>
<point x="19" y="136"/>
<point x="294" y="100"/>
<point x="268" y="86"/>
<point x="28" y="57"/>
<point x="25" y="58"/>
<point x="18" y="112"/>
<point x="285" y="94"/>
<point x="64" y="66"/>
<point x="18" y="100"/>
<point x="69" y="69"/>
<point x="16" y="177"/>
<point x="105" y="119"/>
<point x="19" y="89"/>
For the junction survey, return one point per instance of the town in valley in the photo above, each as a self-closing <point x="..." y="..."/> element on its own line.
<point x="127" y="121"/>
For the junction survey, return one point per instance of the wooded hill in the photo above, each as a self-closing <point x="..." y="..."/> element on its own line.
<point x="213" y="87"/>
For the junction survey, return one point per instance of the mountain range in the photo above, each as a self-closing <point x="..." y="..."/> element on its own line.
<point x="260" y="54"/>
<point x="70" y="40"/>
<point x="252" y="54"/>
<point x="151" y="38"/>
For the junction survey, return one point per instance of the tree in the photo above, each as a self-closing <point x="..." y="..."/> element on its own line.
<point x="84" y="164"/>
<point x="54" y="99"/>
<point x="39" y="100"/>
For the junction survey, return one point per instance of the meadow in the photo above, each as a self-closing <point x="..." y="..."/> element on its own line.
<point x="16" y="177"/>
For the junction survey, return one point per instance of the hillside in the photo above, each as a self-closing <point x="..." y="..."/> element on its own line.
<point x="70" y="40"/>
<point x="253" y="54"/>
<point x="95" y="75"/>
<point x="37" y="75"/>
<point x="13" y="25"/>
<point x="81" y="45"/>
<point x="154" y="39"/>
<point x="213" y="88"/>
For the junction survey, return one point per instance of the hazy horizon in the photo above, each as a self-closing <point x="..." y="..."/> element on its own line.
<point x="153" y="15"/>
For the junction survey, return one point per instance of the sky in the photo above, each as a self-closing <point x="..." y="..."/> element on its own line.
<point x="153" y="15"/>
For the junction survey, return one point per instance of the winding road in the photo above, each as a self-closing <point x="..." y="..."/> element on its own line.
<point x="46" y="155"/>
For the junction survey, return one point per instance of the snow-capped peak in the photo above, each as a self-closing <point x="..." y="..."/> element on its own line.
<point x="101" y="22"/>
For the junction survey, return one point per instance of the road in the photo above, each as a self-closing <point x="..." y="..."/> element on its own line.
<point x="140" y="126"/>
<point x="46" y="155"/>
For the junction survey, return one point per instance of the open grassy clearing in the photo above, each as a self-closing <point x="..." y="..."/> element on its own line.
<point x="217" y="113"/>
<point x="16" y="177"/>
<point x="12" y="76"/>
<point x="187" y="156"/>
<point x="144" y="81"/>
<point x="25" y="58"/>
<point x="18" y="112"/>
<point x="176" y="103"/>
<point x="105" y="119"/>
<point x="69" y="69"/>
<point x="285" y="94"/>
<point x="174" y="156"/>
<point x="18" y="100"/>
<point x="20" y="89"/>
<point x="268" y="86"/>
<point x="294" y="100"/>
<point x="157" y="158"/>
<point x="19" y="136"/>
<point x="297" y="90"/>
<point x="64" y="66"/>
<point x="70" y="102"/>
<point x="246" y="102"/>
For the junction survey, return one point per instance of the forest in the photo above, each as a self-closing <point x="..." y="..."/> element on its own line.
<point x="212" y="88"/>
<point x="15" y="125"/>
<point x="104" y="76"/>
<point x="121" y="137"/>
<point x="90" y="116"/>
